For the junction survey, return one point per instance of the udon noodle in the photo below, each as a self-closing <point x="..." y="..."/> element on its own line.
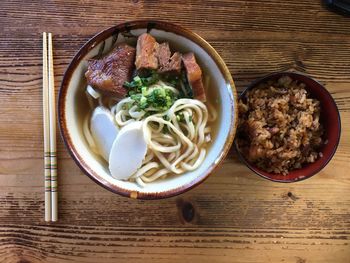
<point x="174" y="146"/>
<point x="180" y="149"/>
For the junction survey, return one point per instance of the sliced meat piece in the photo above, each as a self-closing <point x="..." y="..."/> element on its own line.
<point x="109" y="73"/>
<point x="146" y="52"/>
<point x="174" y="65"/>
<point x="175" y="61"/>
<point x="163" y="54"/>
<point x="194" y="76"/>
<point x="193" y="70"/>
<point x="198" y="90"/>
<point x="166" y="62"/>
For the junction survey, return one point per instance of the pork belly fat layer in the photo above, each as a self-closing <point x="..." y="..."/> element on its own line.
<point x="194" y="76"/>
<point x="193" y="70"/>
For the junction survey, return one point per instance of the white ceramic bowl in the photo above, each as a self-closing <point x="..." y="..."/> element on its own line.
<point x="73" y="107"/>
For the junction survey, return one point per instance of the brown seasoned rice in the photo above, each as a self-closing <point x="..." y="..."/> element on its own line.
<point x="279" y="128"/>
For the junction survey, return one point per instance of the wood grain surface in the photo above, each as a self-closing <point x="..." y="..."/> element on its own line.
<point x="234" y="216"/>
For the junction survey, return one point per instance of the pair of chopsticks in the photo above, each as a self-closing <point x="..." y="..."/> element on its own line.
<point x="49" y="115"/>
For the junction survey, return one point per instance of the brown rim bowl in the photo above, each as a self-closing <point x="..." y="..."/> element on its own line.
<point x="72" y="107"/>
<point x="329" y="118"/>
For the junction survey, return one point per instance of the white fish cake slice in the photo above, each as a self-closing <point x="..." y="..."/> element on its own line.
<point x="128" y="151"/>
<point x="103" y="130"/>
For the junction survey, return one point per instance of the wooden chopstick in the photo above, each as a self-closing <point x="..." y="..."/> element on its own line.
<point x="49" y="130"/>
<point x="46" y="117"/>
<point x="53" y="152"/>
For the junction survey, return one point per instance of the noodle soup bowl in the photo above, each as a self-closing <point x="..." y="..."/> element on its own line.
<point x="73" y="107"/>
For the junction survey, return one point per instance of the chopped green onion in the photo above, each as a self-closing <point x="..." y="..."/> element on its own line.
<point x="156" y="97"/>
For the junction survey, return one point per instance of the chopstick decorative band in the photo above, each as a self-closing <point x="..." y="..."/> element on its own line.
<point x="49" y="115"/>
<point x="49" y="154"/>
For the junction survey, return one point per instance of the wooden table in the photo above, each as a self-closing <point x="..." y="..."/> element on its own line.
<point x="234" y="216"/>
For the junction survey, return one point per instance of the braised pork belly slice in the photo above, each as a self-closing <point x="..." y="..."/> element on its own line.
<point x="109" y="73"/>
